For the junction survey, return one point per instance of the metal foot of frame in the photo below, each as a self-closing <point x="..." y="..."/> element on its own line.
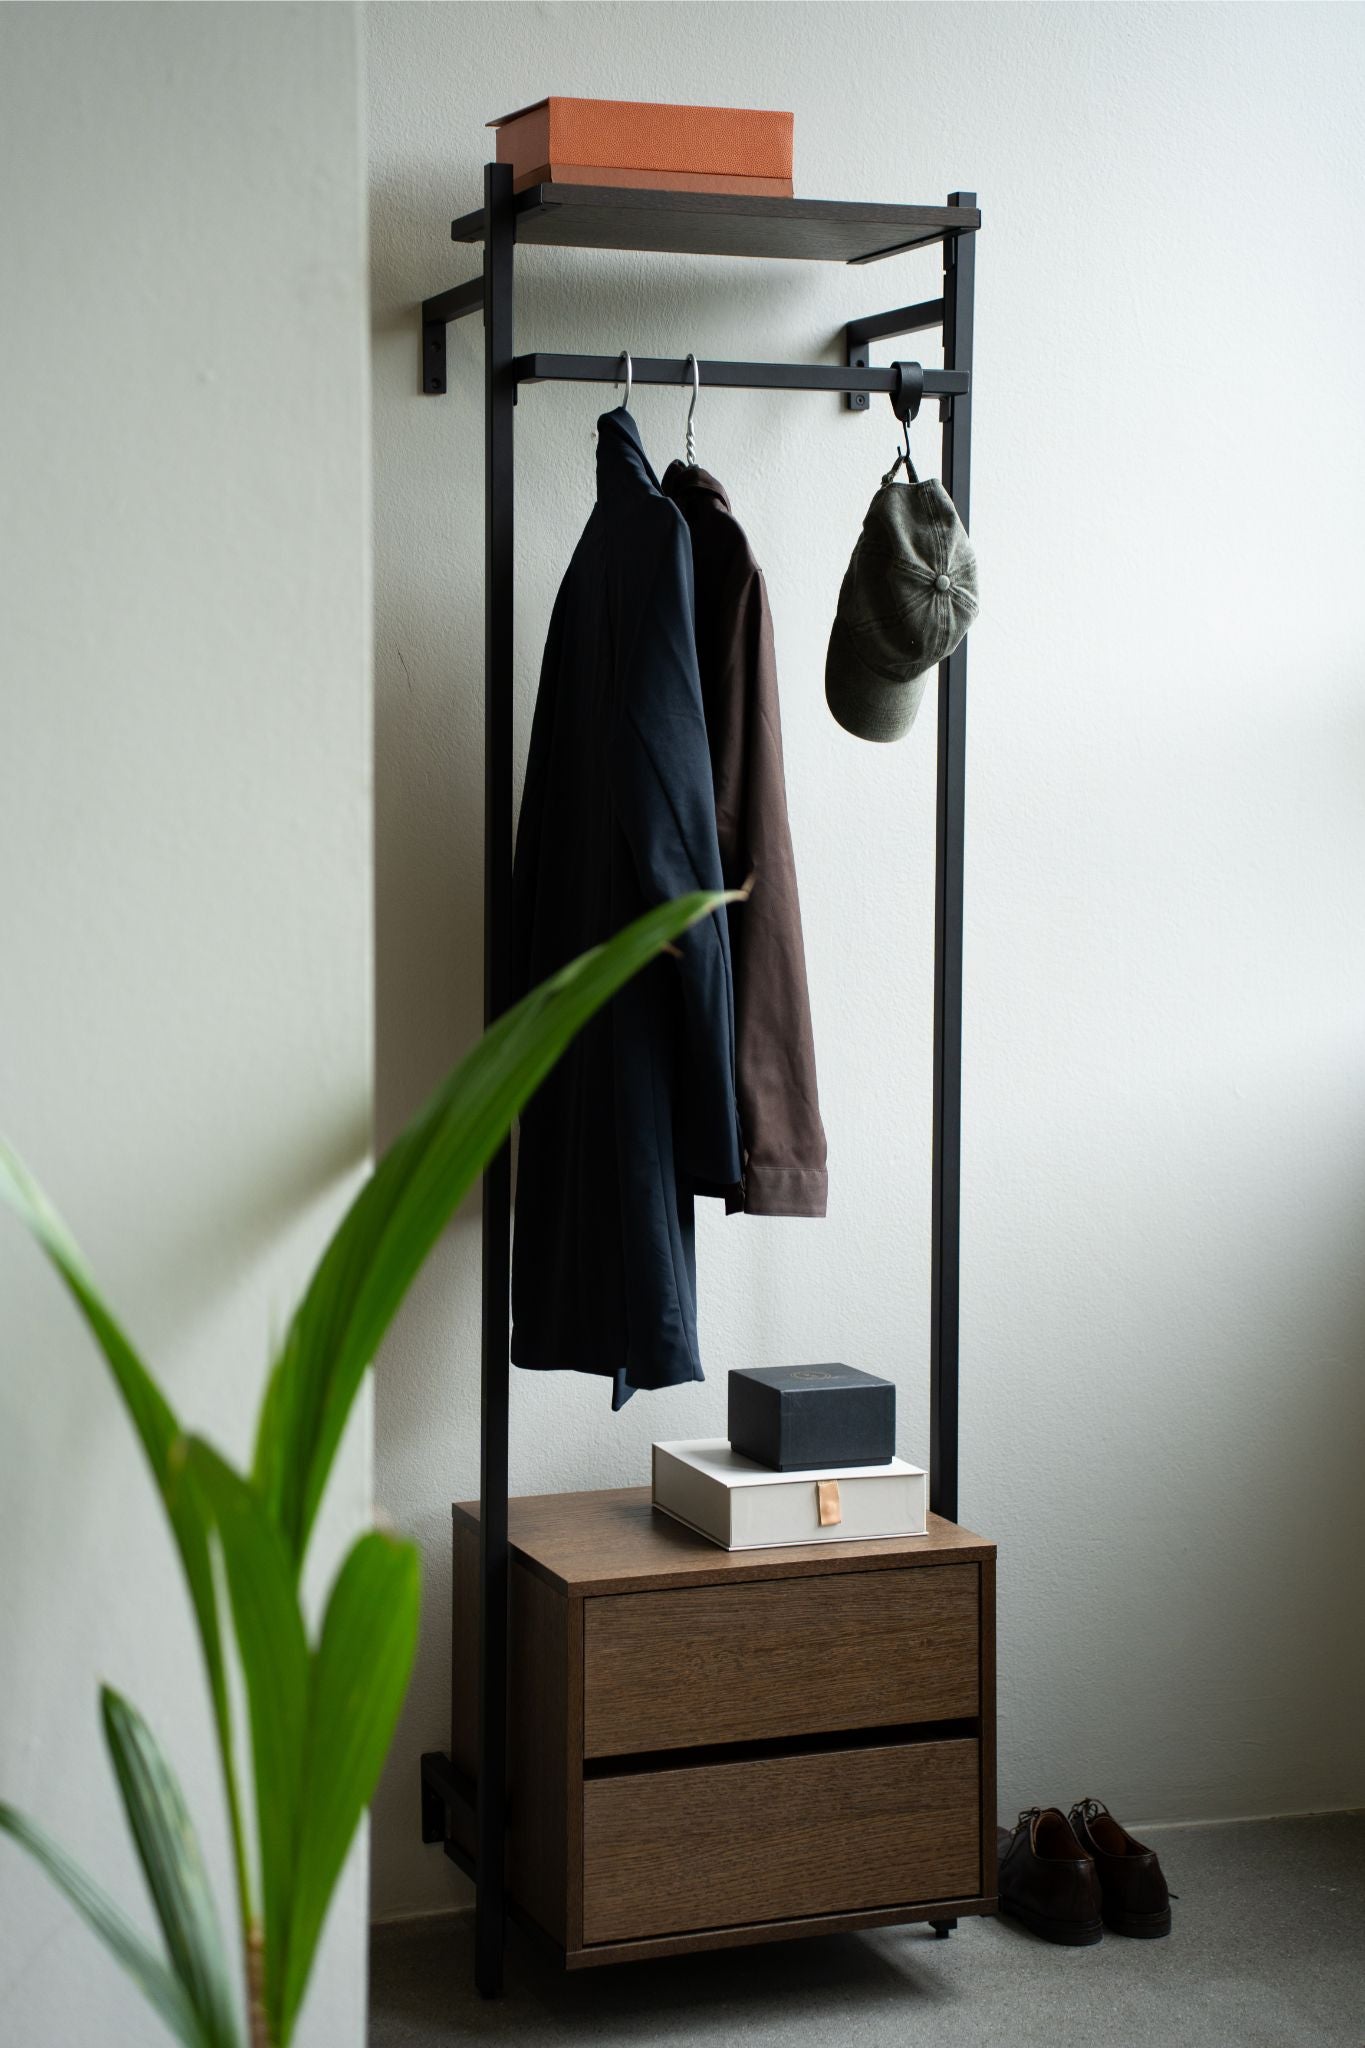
<point x="942" y="1928"/>
<point x="488" y="1977"/>
<point x="433" y="1802"/>
<point x="449" y="1810"/>
<point x="447" y="1799"/>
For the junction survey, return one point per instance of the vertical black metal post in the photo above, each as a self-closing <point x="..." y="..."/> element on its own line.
<point x="499" y="399"/>
<point x="959" y="278"/>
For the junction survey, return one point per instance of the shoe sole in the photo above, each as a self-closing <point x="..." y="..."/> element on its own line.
<point x="1141" y="1926"/>
<point x="1066" y="1933"/>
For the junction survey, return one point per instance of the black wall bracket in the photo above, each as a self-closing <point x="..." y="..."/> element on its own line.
<point x="860" y="334"/>
<point x="437" y="314"/>
<point x="856" y="380"/>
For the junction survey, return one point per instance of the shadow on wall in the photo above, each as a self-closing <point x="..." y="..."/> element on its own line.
<point x="428" y="834"/>
<point x="428" y="796"/>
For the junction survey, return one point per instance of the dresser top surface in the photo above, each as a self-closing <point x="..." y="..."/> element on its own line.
<point x="617" y="1542"/>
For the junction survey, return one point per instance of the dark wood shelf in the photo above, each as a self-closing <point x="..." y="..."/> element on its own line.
<point x="722" y="224"/>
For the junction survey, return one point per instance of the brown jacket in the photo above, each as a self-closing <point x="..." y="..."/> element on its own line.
<point x="779" y="1108"/>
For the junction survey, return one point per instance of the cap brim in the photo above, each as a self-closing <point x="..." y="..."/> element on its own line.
<point x="864" y="703"/>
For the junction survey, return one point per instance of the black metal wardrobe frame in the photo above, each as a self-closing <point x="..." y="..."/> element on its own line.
<point x="697" y="224"/>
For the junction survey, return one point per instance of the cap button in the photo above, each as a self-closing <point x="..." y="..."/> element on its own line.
<point x="943" y="582"/>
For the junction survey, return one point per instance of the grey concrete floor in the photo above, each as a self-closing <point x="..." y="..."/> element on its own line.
<point x="1267" y="1951"/>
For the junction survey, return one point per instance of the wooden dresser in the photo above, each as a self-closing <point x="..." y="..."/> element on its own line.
<point x="710" y="1747"/>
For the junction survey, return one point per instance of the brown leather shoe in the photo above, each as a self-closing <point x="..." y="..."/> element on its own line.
<point x="1047" y="1879"/>
<point x="1133" y="1894"/>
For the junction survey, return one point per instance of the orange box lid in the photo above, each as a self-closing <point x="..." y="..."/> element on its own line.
<point x="656" y="136"/>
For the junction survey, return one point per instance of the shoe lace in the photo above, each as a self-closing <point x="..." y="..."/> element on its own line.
<point x="1027" y="1814"/>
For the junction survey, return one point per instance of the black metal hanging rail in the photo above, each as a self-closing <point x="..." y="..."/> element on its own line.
<point x="546" y="369"/>
<point x="855" y="379"/>
<point x="700" y="224"/>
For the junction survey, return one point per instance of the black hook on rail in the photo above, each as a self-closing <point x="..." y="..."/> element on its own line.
<point x="905" y="399"/>
<point x="905" y="403"/>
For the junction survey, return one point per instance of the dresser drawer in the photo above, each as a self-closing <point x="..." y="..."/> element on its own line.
<point x="717" y="1845"/>
<point x="779" y="1657"/>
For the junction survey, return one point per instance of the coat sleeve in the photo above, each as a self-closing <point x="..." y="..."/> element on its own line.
<point x="665" y="805"/>
<point x="785" y="1172"/>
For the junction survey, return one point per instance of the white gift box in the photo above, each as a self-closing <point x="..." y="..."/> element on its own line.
<point x="744" y="1506"/>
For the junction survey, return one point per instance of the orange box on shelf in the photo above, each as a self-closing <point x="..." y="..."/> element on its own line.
<point x="642" y="143"/>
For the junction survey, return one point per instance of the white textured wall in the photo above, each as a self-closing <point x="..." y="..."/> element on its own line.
<point x="1163" y="1288"/>
<point x="185" y="855"/>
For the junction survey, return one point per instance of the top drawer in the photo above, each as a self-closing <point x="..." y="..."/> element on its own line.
<point x="779" y="1657"/>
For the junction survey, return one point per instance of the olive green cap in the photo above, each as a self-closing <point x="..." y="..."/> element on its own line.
<point x="908" y="596"/>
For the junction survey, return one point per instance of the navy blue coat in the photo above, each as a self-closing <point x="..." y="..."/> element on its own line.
<point x="619" y="814"/>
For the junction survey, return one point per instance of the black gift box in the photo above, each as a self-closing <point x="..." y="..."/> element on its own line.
<point x="804" y="1418"/>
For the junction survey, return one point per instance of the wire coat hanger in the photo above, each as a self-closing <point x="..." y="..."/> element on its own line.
<point x="692" y="407"/>
<point x="624" y="357"/>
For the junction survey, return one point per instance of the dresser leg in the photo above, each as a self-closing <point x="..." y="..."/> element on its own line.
<point x="943" y="1928"/>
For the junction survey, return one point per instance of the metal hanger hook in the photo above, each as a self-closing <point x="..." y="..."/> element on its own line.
<point x="692" y="407"/>
<point x="909" y="390"/>
<point x="905" y="403"/>
<point x="624" y="357"/>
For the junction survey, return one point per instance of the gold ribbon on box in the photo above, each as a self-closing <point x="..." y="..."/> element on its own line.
<point x="827" y="1500"/>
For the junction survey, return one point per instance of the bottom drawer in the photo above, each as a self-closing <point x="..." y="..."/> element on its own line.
<point x="723" y="1845"/>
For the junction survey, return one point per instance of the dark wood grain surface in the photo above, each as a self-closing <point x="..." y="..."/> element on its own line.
<point x="615" y="1541"/>
<point x="747" y="1663"/>
<point x="749" y="1935"/>
<point x="544" y="1736"/>
<point x="722" y="223"/>
<point x="633" y="1637"/>
<point x="464" y="1650"/>
<point x="678" y="1850"/>
<point x="539" y="1766"/>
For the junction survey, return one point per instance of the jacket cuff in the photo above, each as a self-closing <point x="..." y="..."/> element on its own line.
<point x="785" y="1190"/>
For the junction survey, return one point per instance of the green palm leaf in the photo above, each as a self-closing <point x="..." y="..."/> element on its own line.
<point x="360" y="1675"/>
<point x="174" y="1868"/>
<point x="158" y="1431"/>
<point x="320" y="1726"/>
<point x="112" y="1925"/>
<point x="402" y="1209"/>
<point x="274" y="1658"/>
